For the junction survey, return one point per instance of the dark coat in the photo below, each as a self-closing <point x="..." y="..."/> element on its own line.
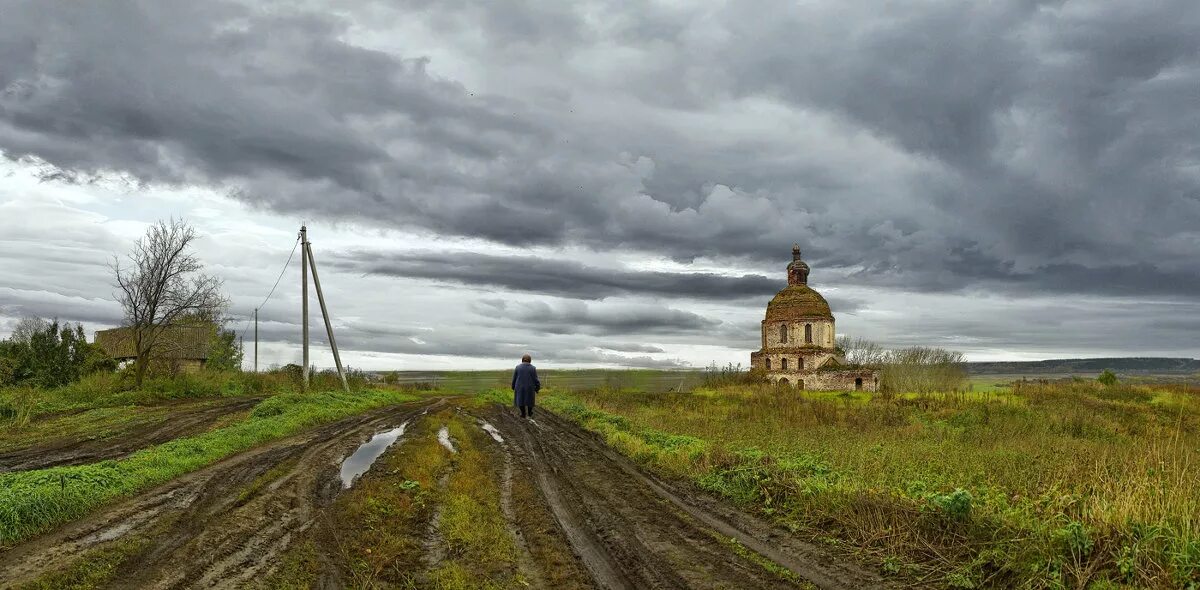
<point x="525" y="384"/>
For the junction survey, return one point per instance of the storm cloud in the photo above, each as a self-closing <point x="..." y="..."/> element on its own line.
<point x="566" y="278"/>
<point x="1018" y="148"/>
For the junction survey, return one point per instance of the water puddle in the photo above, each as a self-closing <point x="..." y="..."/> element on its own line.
<point x="444" y="438"/>
<point x="361" y="460"/>
<point x="492" y="431"/>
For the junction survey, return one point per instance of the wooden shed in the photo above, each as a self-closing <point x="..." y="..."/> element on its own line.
<point x="184" y="347"/>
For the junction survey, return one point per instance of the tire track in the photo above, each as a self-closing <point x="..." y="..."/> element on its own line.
<point x="633" y="530"/>
<point x="192" y="418"/>
<point x="204" y="535"/>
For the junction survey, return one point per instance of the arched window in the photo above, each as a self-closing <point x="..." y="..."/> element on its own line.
<point x="783" y="333"/>
<point x="800" y="384"/>
<point x="800" y="364"/>
<point x="783" y="382"/>
<point x="783" y="364"/>
<point x="858" y="384"/>
<point x="768" y="364"/>
<point x="808" y="333"/>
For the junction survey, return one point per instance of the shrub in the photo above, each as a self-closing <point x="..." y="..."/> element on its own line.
<point x="1107" y="378"/>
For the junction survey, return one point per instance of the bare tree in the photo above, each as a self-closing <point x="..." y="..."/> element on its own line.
<point x="860" y="351"/>
<point x="163" y="283"/>
<point x="28" y="326"/>
<point x="923" y="370"/>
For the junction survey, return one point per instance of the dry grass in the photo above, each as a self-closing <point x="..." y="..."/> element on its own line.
<point x="1060" y="484"/>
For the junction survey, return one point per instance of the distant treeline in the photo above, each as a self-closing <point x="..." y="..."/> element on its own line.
<point x="1128" y="365"/>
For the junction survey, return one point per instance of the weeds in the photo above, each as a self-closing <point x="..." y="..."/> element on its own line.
<point x="1054" y="484"/>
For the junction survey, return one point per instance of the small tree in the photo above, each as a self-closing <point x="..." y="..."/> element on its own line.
<point x="224" y="350"/>
<point x="1107" y="378"/>
<point x="162" y="283"/>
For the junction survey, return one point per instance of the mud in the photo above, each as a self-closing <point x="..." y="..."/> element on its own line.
<point x="581" y="516"/>
<point x="633" y="530"/>
<point x="205" y="532"/>
<point x="185" y="419"/>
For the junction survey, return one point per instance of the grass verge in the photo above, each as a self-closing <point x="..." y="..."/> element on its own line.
<point x="480" y="552"/>
<point x="34" y="501"/>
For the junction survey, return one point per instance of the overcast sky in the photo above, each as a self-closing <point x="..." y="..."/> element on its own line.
<point x="607" y="183"/>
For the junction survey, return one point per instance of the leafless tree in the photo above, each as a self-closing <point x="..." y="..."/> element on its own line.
<point x="860" y="351"/>
<point x="163" y="282"/>
<point x="923" y="370"/>
<point x="28" y="326"/>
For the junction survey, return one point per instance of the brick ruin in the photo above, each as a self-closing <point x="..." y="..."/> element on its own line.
<point x="798" y="340"/>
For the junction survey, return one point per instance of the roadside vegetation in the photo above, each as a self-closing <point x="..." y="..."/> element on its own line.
<point x="1051" y="484"/>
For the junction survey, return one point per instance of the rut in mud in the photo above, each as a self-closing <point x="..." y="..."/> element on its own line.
<point x="217" y="527"/>
<point x="184" y="419"/>
<point x="471" y="494"/>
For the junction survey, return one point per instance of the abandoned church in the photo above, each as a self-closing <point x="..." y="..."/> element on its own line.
<point x="798" y="347"/>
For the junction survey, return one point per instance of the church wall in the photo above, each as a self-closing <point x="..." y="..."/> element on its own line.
<point x="830" y="380"/>
<point x="823" y="333"/>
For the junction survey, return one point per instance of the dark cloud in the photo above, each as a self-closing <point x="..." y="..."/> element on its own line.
<point x="629" y="347"/>
<point x="1021" y="147"/>
<point x="577" y="317"/>
<point x="477" y="342"/>
<point x="550" y="276"/>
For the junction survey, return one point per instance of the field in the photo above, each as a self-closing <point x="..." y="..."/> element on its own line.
<point x="632" y="480"/>
<point x="1055" y="484"/>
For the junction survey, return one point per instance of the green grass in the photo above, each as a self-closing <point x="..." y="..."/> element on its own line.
<point x="92" y="424"/>
<point x="34" y="501"/>
<point x="1037" y="486"/>
<point x="95" y="569"/>
<point x="19" y="405"/>
<point x="479" y="549"/>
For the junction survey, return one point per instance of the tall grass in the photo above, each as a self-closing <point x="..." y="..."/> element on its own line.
<point x="18" y="405"/>
<point x="1061" y="484"/>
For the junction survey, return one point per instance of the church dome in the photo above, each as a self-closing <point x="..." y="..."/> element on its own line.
<point x="798" y="301"/>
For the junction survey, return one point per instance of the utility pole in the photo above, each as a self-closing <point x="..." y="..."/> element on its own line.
<point x="304" y="298"/>
<point x="256" y="340"/>
<point x="337" y="359"/>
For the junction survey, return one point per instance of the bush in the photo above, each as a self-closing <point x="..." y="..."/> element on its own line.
<point x="1107" y="378"/>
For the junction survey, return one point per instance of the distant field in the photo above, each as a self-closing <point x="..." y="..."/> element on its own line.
<point x="474" y="381"/>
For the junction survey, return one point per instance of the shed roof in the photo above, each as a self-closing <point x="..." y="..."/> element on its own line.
<point x="177" y="342"/>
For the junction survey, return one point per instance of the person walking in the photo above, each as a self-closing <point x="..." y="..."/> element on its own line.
<point x="525" y="386"/>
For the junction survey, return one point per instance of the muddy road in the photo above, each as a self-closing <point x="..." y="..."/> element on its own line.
<point x="166" y="422"/>
<point x="458" y="481"/>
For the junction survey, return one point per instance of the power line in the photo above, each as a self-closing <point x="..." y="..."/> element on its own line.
<point x="276" y="285"/>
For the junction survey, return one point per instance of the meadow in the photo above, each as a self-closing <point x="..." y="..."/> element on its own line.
<point x="1044" y="484"/>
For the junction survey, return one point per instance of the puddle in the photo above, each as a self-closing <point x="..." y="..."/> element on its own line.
<point x="444" y="438"/>
<point x="365" y="456"/>
<point x="492" y="431"/>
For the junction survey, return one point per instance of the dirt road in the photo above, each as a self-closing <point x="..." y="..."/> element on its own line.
<point x="579" y="516"/>
<point x="170" y="421"/>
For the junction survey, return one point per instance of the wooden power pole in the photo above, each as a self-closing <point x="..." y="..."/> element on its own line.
<point x="337" y="358"/>
<point x="304" y="298"/>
